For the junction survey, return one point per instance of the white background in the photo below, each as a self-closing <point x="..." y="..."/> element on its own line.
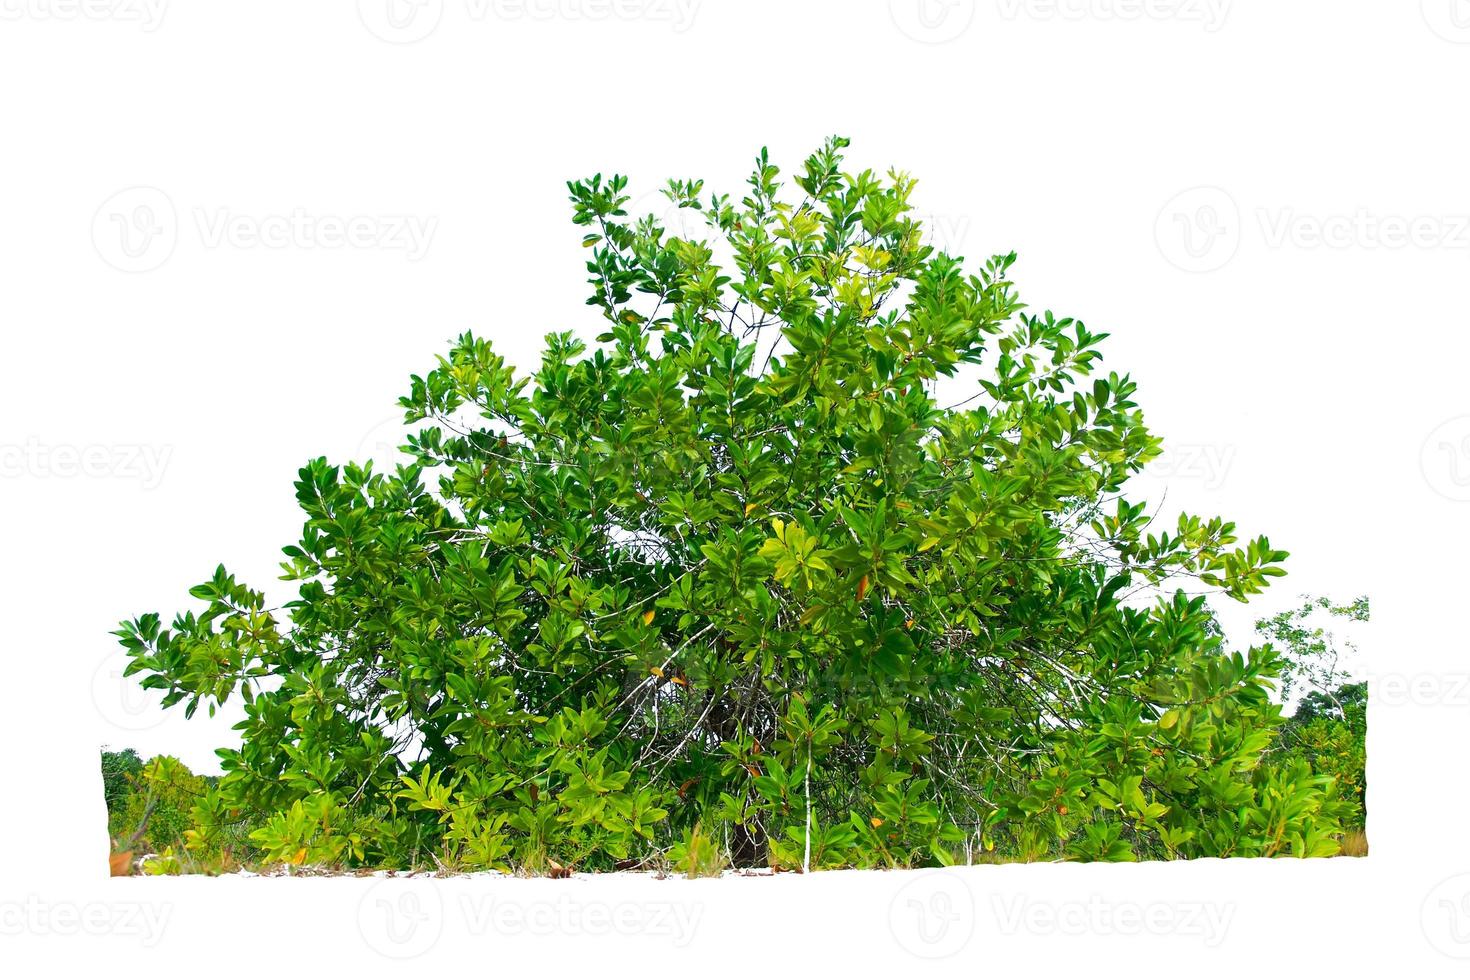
<point x="1264" y="203"/>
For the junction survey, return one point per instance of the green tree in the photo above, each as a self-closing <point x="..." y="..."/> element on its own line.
<point x="1313" y="651"/>
<point x="744" y="572"/>
<point x="153" y="811"/>
<point x="119" y="769"/>
<point x="1329" y="729"/>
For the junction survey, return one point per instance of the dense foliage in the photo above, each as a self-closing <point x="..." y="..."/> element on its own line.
<point x="151" y="810"/>
<point x="742" y="583"/>
<point x="1329" y="729"/>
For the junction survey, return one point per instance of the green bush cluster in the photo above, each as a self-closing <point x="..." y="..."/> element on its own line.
<point x="154" y="812"/>
<point x="745" y="583"/>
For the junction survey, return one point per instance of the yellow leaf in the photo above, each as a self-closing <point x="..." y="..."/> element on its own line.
<point x="876" y="823"/>
<point x="648" y="617"/>
<point x="862" y="588"/>
<point x="749" y="508"/>
<point x="927" y="544"/>
<point x="1169" y="720"/>
<point x="656" y="671"/>
<point x="299" y="856"/>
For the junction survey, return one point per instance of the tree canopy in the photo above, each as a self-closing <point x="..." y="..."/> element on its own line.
<point x="741" y="580"/>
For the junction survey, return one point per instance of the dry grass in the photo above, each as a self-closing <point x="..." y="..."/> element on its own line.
<point x="1354" y="844"/>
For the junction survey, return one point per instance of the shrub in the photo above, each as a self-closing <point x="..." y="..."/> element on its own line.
<point x="744" y="571"/>
<point x="150" y="805"/>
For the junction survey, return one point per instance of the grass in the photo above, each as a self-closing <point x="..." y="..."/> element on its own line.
<point x="1354" y="844"/>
